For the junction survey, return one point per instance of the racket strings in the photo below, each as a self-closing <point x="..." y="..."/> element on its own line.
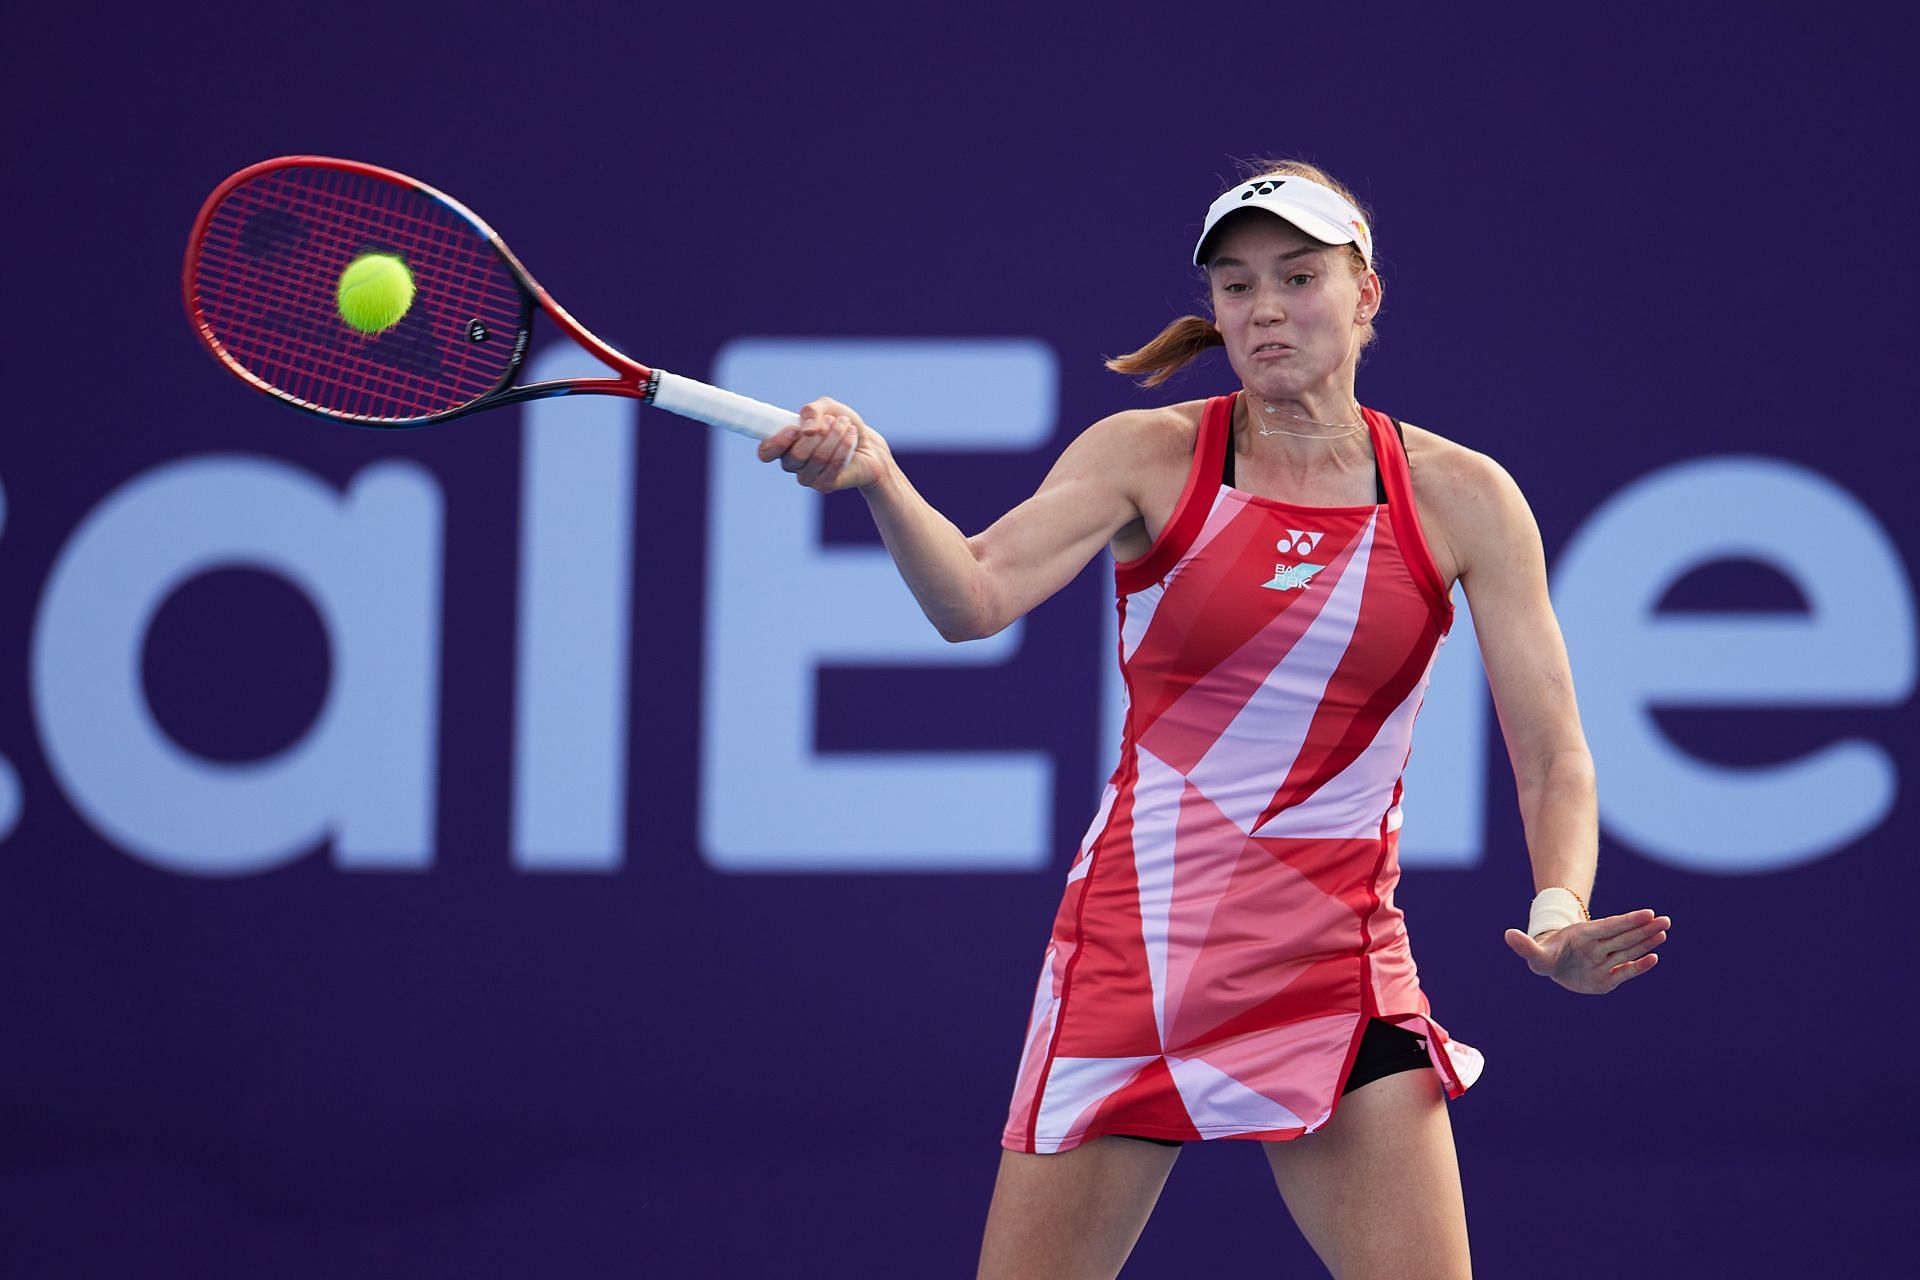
<point x="411" y="374"/>
<point x="408" y="352"/>
<point x="265" y="281"/>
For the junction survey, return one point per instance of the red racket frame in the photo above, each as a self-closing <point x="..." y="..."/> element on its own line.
<point x="631" y="378"/>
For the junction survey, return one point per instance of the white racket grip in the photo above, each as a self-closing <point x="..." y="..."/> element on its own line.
<point x="694" y="399"/>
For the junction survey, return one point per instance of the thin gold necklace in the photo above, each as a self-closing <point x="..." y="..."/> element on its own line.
<point x="1352" y="427"/>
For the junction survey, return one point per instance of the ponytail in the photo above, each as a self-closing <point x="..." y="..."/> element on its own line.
<point x="1170" y="351"/>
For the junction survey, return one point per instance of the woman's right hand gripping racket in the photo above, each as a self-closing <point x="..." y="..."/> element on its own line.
<point x="358" y="294"/>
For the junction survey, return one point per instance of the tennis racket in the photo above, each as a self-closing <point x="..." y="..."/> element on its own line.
<point x="265" y="263"/>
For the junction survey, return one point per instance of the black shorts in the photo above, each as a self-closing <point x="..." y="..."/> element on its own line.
<point x="1384" y="1049"/>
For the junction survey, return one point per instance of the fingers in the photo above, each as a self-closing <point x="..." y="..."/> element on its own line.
<point x="1627" y="972"/>
<point x="1623" y="936"/>
<point x="1630" y="953"/>
<point x="832" y="444"/>
<point x="1603" y="960"/>
<point x="1636" y="942"/>
<point x="777" y="443"/>
<point x="825" y="406"/>
<point x="781" y="442"/>
<point x="804" y="447"/>
<point x="1613" y="926"/>
<point x="815" y="450"/>
<point x="1585" y="957"/>
<point x="792" y="447"/>
<point x="1529" y="950"/>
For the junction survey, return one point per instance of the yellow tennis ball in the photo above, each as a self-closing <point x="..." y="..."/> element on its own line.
<point x="375" y="291"/>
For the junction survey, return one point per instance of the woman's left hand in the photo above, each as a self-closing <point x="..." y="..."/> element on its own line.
<point x="1595" y="956"/>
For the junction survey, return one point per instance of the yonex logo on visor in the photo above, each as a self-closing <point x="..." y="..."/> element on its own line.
<point x="1321" y="212"/>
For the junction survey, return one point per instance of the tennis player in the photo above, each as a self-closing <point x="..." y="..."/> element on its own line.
<point x="1227" y="960"/>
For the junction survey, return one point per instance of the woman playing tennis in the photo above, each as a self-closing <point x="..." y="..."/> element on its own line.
<point x="1227" y="961"/>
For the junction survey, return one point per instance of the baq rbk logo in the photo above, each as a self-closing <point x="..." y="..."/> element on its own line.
<point x="1291" y="577"/>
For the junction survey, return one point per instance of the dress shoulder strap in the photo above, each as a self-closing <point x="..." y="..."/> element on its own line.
<point x="1196" y="500"/>
<point x="1396" y="476"/>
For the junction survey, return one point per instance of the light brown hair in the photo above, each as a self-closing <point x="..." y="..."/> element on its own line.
<point x="1181" y="342"/>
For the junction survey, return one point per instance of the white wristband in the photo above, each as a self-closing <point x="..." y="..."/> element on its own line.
<point x="1554" y="908"/>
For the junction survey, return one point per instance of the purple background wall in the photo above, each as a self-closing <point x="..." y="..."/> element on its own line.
<point x="1613" y="243"/>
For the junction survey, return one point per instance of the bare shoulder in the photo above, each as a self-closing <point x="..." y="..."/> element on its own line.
<point x="1467" y="500"/>
<point x="1153" y="450"/>
<point x="1148" y="436"/>
<point x="1448" y="469"/>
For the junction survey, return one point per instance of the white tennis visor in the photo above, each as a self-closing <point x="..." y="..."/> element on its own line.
<point x="1319" y="211"/>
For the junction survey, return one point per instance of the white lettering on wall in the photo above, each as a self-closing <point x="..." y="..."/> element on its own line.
<point x="363" y="773"/>
<point x="779" y="605"/>
<point x="1853" y="647"/>
<point x="571" y="701"/>
<point x="9" y="779"/>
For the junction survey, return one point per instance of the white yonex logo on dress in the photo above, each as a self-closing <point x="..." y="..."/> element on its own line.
<point x="1287" y="577"/>
<point x="1299" y="541"/>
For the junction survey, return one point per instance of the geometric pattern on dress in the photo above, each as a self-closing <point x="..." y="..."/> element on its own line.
<point x="1077" y="1085"/>
<point x="1180" y="716"/>
<point x="1033" y="1054"/>
<point x="1343" y="805"/>
<point x="1299" y="661"/>
<point x="1207" y="1091"/>
<point x="1228" y="924"/>
<point x="1225" y="958"/>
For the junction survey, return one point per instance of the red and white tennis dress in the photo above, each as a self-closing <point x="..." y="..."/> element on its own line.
<point x="1228" y="926"/>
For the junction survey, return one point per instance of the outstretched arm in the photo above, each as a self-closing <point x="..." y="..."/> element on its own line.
<point x="973" y="587"/>
<point x="1503" y="568"/>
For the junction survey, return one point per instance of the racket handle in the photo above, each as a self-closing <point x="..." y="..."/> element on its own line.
<point x="693" y="399"/>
